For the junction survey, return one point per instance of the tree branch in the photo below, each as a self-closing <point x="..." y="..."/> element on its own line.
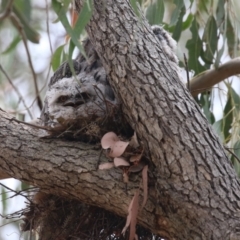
<point x="196" y="193"/>
<point x="66" y="169"/>
<point x="209" y="78"/>
<point x="7" y="11"/>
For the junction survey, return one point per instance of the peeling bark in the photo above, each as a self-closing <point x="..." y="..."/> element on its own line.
<point x="196" y="191"/>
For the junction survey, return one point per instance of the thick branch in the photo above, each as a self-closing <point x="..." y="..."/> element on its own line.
<point x="67" y="169"/>
<point x="209" y="78"/>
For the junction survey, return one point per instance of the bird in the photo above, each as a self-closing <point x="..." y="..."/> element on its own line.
<point x="81" y="103"/>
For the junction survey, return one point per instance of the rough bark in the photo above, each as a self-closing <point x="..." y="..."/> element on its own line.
<point x="67" y="169"/>
<point x="196" y="195"/>
<point x="198" y="190"/>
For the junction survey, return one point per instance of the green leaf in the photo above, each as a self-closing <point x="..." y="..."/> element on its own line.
<point x="12" y="45"/>
<point x="217" y="126"/>
<point x="24" y="6"/>
<point x="135" y="7"/>
<point x="203" y="6"/>
<point x="155" y="12"/>
<point x="211" y="39"/>
<point x="56" y="58"/>
<point x="178" y="28"/>
<point x="205" y="101"/>
<point x="194" y="46"/>
<point x="227" y="118"/>
<point x="235" y="98"/>
<point x="31" y="34"/>
<point x="219" y="56"/>
<point x="236" y="150"/>
<point x="206" y="60"/>
<point x="220" y="12"/>
<point x="83" y="19"/>
<point x="4" y="4"/>
<point x="187" y="23"/>
<point x="230" y="38"/>
<point x="70" y="61"/>
<point x="177" y="11"/>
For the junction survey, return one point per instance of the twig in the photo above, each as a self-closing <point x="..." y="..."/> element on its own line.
<point x="22" y="33"/>
<point x="27" y="191"/>
<point x="29" y="124"/>
<point x="7" y="11"/>
<point x="232" y="153"/>
<point x="16" y="192"/>
<point x="187" y="71"/>
<point x="80" y="130"/>
<point x="4" y="224"/>
<point x="66" y="131"/>
<point x="49" y="70"/>
<point x="16" y="90"/>
<point x="48" y="32"/>
<point x="103" y="97"/>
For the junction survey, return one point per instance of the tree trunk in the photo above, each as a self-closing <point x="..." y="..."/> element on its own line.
<point x="196" y="191"/>
<point x="197" y="187"/>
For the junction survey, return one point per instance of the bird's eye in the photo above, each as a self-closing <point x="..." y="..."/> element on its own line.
<point x="62" y="98"/>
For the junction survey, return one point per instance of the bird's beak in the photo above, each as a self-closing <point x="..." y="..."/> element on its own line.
<point x="73" y="102"/>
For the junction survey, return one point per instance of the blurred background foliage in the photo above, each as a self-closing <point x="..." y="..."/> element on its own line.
<point x="37" y="36"/>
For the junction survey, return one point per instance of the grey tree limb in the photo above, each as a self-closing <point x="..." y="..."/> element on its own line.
<point x="67" y="169"/>
<point x="204" y="81"/>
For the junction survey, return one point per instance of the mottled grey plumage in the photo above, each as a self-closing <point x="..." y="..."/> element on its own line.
<point x="84" y="95"/>
<point x="87" y="97"/>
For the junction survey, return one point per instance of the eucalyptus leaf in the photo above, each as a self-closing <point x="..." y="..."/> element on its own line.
<point x="135" y="7"/>
<point x="211" y="39"/>
<point x="235" y="98"/>
<point x="70" y="61"/>
<point x="24" y="6"/>
<point x="186" y="24"/>
<point x="236" y="150"/>
<point x="178" y="28"/>
<point x="205" y="101"/>
<point x="56" y="58"/>
<point x="83" y="19"/>
<point x="230" y="34"/>
<point x="203" y="5"/>
<point x="31" y="34"/>
<point x="217" y="126"/>
<point x="194" y="46"/>
<point x="227" y="118"/>
<point x="220" y="12"/>
<point x="155" y="12"/>
<point x="177" y="11"/>
<point x="12" y="45"/>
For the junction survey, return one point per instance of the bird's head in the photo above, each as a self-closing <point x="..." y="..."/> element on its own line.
<point x="85" y="96"/>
